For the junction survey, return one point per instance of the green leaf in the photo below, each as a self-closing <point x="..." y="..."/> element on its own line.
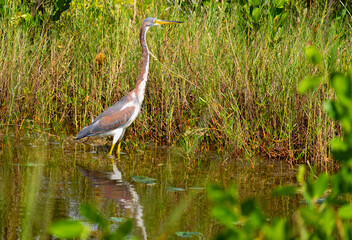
<point x="333" y="56"/>
<point x="341" y="84"/>
<point x="255" y="2"/>
<point x="220" y="196"/>
<point x="309" y="215"/>
<point x="124" y="229"/>
<point x="327" y="222"/>
<point x="248" y="207"/>
<point x="68" y="229"/>
<point x="142" y="179"/>
<point x="337" y="144"/>
<point x="279" y="230"/>
<point x="340" y="150"/>
<point x="308" y="83"/>
<point x="28" y="17"/>
<point x="215" y="193"/>
<point x="346" y="123"/>
<point x="256" y="14"/>
<point x="330" y="108"/>
<point x="280" y="3"/>
<point x="93" y="215"/>
<point x="224" y="215"/>
<point x="320" y="185"/>
<point x="285" y="190"/>
<point x="281" y="19"/>
<point x="257" y="218"/>
<point x="313" y="55"/>
<point x="188" y="234"/>
<point x="60" y="7"/>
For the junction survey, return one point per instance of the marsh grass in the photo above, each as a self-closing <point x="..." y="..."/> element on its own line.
<point x="23" y="214"/>
<point x="212" y="84"/>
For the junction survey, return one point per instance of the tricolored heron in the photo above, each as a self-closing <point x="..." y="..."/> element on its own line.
<point x="114" y="120"/>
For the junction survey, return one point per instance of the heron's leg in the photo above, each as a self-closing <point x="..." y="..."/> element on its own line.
<point x="112" y="148"/>
<point x="114" y="141"/>
<point x="118" y="150"/>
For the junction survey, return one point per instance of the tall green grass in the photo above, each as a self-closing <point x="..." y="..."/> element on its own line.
<point x="213" y="83"/>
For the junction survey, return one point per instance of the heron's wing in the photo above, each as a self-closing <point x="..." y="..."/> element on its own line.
<point x="125" y="101"/>
<point x="112" y="118"/>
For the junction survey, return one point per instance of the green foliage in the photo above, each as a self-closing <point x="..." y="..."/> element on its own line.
<point x="285" y="190"/>
<point x="92" y="215"/>
<point x="339" y="109"/>
<point x="270" y="15"/>
<point x="345" y="212"/>
<point x="35" y="13"/>
<point x="311" y="82"/>
<point x="243" y="220"/>
<point x="328" y="210"/>
<point x="313" y="55"/>
<point x="59" y="6"/>
<point x="68" y="228"/>
<point x="308" y="83"/>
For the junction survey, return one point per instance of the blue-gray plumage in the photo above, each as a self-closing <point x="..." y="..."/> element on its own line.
<point x="114" y="120"/>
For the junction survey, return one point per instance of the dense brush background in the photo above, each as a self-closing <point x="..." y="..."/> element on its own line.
<point x="224" y="79"/>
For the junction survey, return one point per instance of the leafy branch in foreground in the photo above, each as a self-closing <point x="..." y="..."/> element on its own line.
<point x="69" y="228"/>
<point x="327" y="213"/>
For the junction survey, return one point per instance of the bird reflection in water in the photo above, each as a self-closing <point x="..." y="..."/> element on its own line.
<point x="112" y="186"/>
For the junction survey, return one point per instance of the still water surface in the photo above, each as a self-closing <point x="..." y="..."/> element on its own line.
<point x="46" y="178"/>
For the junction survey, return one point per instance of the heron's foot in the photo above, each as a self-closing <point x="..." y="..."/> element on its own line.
<point x="111" y="149"/>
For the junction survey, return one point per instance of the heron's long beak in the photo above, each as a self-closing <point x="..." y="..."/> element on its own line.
<point x="166" y="22"/>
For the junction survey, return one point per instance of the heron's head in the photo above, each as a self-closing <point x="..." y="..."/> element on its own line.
<point x="149" y="22"/>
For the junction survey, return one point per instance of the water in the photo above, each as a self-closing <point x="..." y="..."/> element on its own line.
<point x="46" y="178"/>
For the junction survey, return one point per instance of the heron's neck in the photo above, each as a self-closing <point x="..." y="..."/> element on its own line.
<point x="143" y="74"/>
